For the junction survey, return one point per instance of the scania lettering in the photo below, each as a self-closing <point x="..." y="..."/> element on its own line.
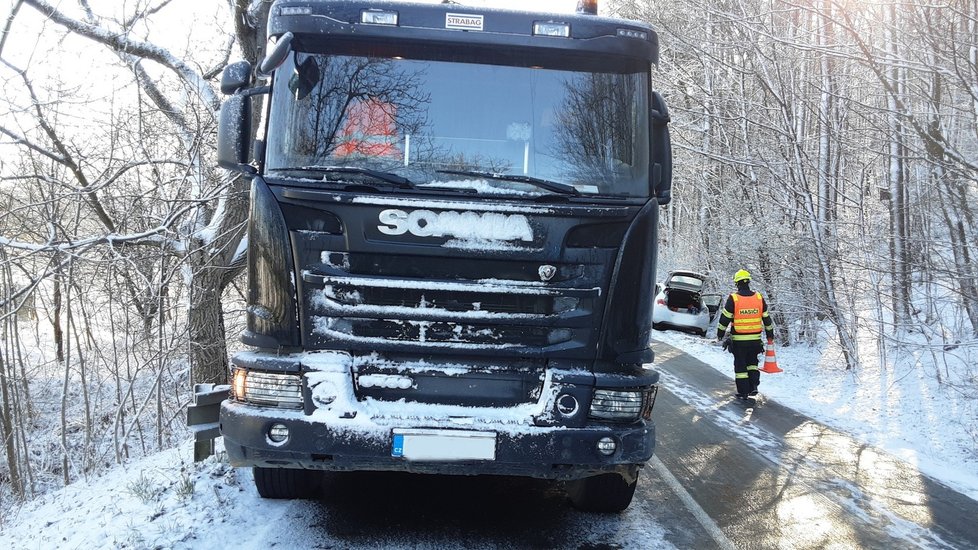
<point x="451" y="246"/>
<point x="425" y="223"/>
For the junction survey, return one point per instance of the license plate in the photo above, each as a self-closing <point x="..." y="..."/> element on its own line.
<point x="443" y="445"/>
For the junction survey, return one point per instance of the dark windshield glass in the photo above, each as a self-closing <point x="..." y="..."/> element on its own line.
<point x="420" y="119"/>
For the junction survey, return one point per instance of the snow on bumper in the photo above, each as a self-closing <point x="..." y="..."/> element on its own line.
<point x="544" y="452"/>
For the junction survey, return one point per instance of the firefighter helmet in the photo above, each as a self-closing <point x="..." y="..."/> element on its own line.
<point x="742" y="275"/>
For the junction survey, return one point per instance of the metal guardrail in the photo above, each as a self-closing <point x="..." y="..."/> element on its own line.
<point x="204" y="416"/>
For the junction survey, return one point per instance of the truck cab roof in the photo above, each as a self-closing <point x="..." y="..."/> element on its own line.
<point x="404" y="22"/>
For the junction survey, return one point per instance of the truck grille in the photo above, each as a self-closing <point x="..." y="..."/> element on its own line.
<point x="441" y="333"/>
<point x="485" y="314"/>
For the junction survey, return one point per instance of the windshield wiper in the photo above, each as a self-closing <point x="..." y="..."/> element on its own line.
<point x="387" y="177"/>
<point x="555" y="186"/>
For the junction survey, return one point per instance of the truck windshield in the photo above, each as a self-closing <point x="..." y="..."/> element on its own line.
<point x="489" y="129"/>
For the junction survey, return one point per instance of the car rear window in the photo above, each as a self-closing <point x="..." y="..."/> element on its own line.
<point x="685" y="280"/>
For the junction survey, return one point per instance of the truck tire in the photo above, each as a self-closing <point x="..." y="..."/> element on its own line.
<point x="605" y="493"/>
<point x="286" y="483"/>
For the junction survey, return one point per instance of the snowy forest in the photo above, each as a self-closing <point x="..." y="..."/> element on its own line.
<point x="828" y="146"/>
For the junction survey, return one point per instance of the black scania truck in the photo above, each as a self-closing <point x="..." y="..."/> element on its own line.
<point x="451" y="245"/>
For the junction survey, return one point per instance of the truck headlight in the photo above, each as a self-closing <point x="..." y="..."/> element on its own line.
<point x="267" y="388"/>
<point x="616" y="404"/>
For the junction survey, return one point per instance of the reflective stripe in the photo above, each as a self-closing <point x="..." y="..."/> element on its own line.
<point x="752" y="367"/>
<point x="740" y="374"/>
<point x="745" y="337"/>
<point x="723" y="321"/>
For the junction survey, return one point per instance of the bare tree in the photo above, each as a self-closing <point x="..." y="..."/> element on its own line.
<point x="118" y="227"/>
<point x="206" y="229"/>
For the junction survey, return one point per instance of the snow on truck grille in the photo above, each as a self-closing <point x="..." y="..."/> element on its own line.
<point x="482" y="313"/>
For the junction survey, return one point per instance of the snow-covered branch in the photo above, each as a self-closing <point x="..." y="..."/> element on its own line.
<point x="21" y="140"/>
<point x="155" y="237"/>
<point x="125" y="44"/>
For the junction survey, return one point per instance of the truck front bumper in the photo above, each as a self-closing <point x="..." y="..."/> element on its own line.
<point x="532" y="451"/>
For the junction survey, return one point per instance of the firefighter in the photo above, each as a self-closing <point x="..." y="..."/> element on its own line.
<point x="745" y="312"/>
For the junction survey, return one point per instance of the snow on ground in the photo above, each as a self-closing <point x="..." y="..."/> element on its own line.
<point x="166" y="501"/>
<point x="161" y="501"/>
<point x="900" y="408"/>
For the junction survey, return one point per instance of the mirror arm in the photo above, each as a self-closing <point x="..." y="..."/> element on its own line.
<point x="257" y="90"/>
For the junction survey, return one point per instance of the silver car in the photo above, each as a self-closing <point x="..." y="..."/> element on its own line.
<point x="680" y="303"/>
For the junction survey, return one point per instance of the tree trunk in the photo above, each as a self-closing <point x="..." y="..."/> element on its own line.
<point x="897" y="181"/>
<point x="7" y="430"/>
<point x="59" y="340"/>
<point x="207" y="338"/>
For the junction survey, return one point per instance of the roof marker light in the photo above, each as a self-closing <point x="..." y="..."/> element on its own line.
<point x="295" y="10"/>
<point x="631" y="33"/>
<point x="378" y="17"/>
<point x="551" y="29"/>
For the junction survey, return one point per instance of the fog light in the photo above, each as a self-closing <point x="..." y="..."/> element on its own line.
<point x="607" y="446"/>
<point x="279" y="434"/>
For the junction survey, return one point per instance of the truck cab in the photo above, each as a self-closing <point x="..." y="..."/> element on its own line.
<point x="451" y="245"/>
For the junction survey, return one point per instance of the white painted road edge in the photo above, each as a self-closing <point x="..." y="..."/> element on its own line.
<point x="699" y="513"/>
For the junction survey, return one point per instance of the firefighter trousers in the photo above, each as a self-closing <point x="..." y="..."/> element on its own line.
<point x="746" y="374"/>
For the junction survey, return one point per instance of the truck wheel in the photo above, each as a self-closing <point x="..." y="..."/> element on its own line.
<point x="286" y="483"/>
<point x="604" y="493"/>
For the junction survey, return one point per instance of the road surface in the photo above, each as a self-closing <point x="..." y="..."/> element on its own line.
<point x="773" y="478"/>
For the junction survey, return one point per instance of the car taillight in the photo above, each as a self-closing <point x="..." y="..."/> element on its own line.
<point x="661" y="301"/>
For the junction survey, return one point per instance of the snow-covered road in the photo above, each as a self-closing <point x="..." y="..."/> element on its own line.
<point x="770" y="477"/>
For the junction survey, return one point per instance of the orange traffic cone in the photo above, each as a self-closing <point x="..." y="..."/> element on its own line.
<point x="770" y="361"/>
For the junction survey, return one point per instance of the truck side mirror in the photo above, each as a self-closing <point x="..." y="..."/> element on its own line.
<point x="661" y="149"/>
<point x="277" y="53"/>
<point x="234" y="134"/>
<point x="235" y="77"/>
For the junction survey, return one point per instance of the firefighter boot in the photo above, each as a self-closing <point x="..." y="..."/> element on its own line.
<point x="753" y="379"/>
